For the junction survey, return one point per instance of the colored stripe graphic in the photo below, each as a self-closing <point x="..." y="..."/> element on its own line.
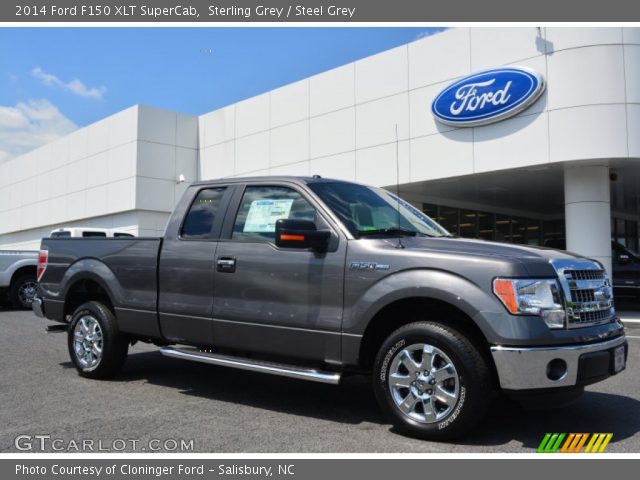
<point x="574" y="442"/>
<point x="551" y="442"/>
<point x="598" y="442"/>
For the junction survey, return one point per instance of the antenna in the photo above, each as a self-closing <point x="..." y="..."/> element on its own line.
<point x="399" y="245"/>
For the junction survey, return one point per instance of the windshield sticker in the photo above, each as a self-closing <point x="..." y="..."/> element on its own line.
<point x="263" y="215"/>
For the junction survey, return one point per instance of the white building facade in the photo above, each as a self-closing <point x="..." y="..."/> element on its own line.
<point x="565" y="168"/>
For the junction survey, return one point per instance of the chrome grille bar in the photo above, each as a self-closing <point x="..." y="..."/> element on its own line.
<point x="587" y="292"/>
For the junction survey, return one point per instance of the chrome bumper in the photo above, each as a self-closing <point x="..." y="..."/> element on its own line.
<point x="36" y="306"/>
<point x="526" y="368"/>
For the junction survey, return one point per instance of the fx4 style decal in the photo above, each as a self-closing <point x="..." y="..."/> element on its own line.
<point x="368" y="266"/>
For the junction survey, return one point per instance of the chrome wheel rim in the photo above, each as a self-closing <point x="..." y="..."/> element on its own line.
<point x="424" y="383"/>
<point x="87" y="342"/>
<point x="27" y="292"/>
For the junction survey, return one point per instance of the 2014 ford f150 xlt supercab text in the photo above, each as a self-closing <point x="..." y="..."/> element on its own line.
<point x="315" y="279"/>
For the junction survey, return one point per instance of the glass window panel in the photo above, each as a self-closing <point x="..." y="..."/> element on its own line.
<point x="486" y="225"/>
<point x="199" y="221"/>
<point x="262" y="206"/>
<point x="449" y="219"/>
<point x="503" y="228"/>
<point x="468" y="224"/>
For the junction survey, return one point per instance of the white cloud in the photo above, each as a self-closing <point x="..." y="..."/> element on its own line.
<point x="29" y="125"/>
<point x="74" y="86"/>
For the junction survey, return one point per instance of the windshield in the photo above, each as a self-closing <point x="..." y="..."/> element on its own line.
<point x="369" y="211"/>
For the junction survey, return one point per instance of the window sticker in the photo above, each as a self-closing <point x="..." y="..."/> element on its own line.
<point x="263" y="215"/>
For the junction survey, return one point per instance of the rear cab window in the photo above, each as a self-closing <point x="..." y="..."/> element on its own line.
<point x="199" y="221"/>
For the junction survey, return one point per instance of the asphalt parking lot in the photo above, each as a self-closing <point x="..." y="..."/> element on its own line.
<point x="224" y="410"/>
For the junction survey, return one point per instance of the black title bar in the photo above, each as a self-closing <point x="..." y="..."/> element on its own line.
<point x="428" y="11"/>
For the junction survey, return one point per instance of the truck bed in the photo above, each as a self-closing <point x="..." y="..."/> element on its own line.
<point x="126" y="268"/>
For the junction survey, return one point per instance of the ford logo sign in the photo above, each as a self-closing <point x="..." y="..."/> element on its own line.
<point x="488" y="96"/>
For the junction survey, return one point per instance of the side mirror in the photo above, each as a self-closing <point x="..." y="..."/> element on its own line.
<point x="300" y="234"/>
<point x="624" y="259"/>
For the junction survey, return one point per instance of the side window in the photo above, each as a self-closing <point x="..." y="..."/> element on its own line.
<point x="199" y="220"/>
<point x="94" y="234"/>
<point x="262" y="206"/>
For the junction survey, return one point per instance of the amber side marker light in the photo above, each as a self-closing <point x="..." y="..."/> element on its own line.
<point x="505" y="292"/>
<point x="294" y="238"/>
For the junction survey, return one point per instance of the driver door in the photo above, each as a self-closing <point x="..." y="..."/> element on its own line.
<point x="281" y="301"/>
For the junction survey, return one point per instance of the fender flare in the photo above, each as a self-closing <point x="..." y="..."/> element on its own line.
<point x="444" y="286"/>
<point x="95" y="270"/>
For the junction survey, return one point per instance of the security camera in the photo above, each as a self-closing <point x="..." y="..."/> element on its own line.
<point x="181" y="178"/>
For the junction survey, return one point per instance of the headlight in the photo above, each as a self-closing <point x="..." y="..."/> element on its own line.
<point x="530" y="296"/>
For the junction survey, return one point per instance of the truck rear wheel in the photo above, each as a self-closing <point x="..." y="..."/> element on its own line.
<point x="23" y="290"/>
<point x="431" y="381"/>
<point x="96" y="347"/>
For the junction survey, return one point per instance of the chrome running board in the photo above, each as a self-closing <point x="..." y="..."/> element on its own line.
<point x="252" y="365"/>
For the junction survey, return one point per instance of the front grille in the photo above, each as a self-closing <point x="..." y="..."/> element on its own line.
<point x="588" y="295"/>
<point x="584" y="274"/>
<point x="595" y="317"/>
<point x="582" y="295"/>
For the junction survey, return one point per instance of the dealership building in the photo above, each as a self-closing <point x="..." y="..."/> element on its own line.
<point x="563" y="166"/>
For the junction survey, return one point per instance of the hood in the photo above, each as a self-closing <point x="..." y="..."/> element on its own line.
<point x="484" y="248"/>
<point x="535" y="261"/>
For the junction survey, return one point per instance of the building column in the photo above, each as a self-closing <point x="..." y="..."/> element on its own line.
<point x="588" y="212"/>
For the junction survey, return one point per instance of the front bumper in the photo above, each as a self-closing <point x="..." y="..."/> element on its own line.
<point x="521" y="368"/>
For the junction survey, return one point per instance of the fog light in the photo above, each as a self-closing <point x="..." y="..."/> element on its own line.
<point x="554" y="318"/>
<point x="556" y="369"/>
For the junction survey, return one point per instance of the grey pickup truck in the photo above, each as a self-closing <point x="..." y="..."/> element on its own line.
<point x="316" y="279"/>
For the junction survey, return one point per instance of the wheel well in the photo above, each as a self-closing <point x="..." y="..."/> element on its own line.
<point x="21" y="270"/>
<point x="84" y="291"/>
<point x="402" y="312"/>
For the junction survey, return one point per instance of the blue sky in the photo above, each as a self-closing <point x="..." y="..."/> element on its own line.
<point x="71" y="77"/>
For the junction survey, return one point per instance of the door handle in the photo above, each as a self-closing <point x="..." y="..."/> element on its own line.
<point x="226" y="264"/>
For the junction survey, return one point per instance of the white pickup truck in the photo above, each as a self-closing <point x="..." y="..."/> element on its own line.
<point x="18" y="276"/>
<point x="18" y="267"/>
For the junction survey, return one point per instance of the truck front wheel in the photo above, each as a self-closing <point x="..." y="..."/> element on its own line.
<point x="431" y="381"/>
<point x="96" y="347"/>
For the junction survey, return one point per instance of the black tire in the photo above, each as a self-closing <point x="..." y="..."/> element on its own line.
<point x="24" y="281"/>
<point x="114" y="345"/>
<point x="474" y="390"/>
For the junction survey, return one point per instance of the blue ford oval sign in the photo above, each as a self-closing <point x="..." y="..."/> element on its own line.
<point x="488" y="96"/>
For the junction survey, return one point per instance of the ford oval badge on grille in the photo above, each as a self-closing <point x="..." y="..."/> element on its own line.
<point x="488" y="96"/>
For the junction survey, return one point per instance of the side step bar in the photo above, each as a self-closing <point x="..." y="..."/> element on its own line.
<point x="252" y="365"/>
<point x="57" y="328"/>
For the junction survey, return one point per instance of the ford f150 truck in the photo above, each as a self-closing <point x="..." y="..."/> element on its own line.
<point x="316" y="279"/>
<point x="18" y="276"/>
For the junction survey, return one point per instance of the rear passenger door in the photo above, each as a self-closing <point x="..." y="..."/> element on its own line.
<point x="280" y="301"/>
<point x="186" y="267"/>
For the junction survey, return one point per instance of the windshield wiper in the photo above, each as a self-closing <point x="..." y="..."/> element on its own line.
<point x="388" y="231"/>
